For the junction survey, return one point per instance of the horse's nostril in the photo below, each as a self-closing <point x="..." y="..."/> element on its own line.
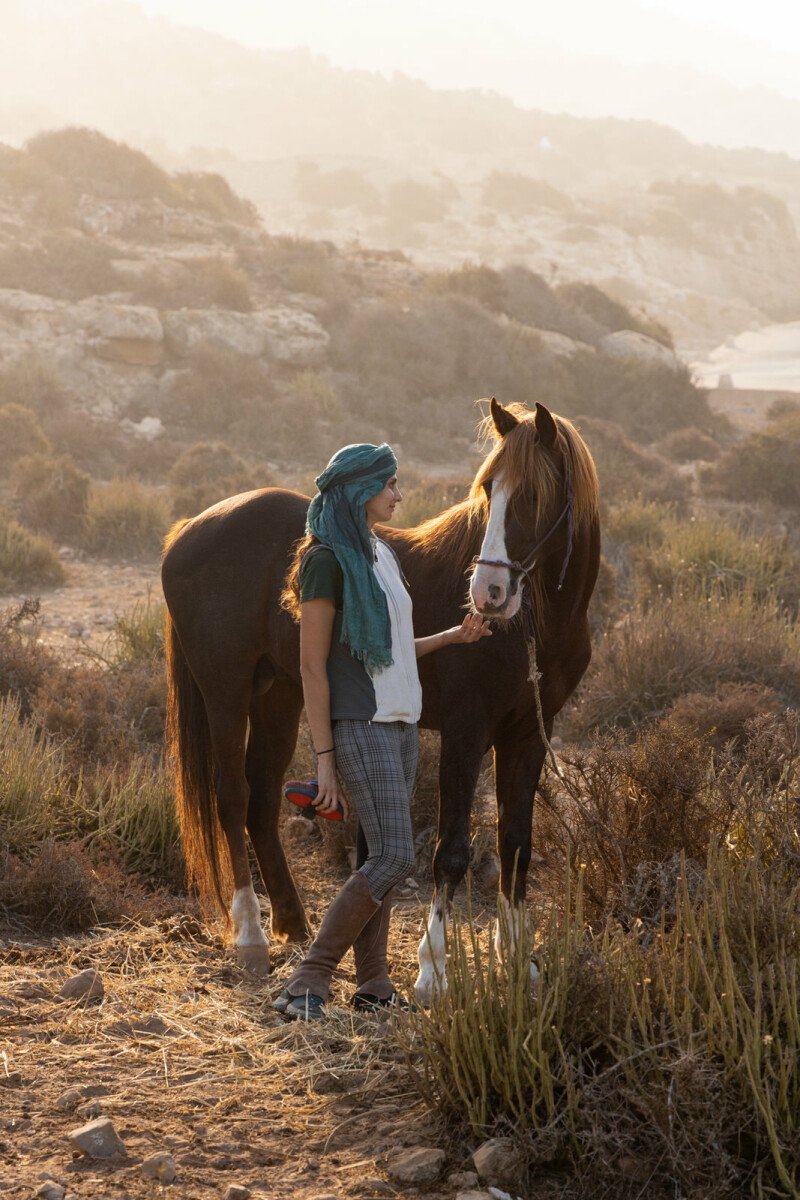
<point x="495" y="592"/>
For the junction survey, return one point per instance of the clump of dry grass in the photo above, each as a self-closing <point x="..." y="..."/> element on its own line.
<point x="640" y="1047"/>
<point x="691" y="641"/>
<point x="125" y="519"/>
<point x="26" y="559"/>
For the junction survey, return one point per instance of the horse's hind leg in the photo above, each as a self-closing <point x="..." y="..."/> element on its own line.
<point x="274" y="720"/>
<point x="228" y="735"/>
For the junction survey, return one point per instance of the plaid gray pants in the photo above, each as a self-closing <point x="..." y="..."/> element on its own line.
<point x="377" y="762"/>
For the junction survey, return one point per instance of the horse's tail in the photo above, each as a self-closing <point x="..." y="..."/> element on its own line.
<point x="189" y="746"/>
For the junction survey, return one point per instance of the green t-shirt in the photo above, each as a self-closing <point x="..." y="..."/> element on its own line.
<point x="321" y="576"/>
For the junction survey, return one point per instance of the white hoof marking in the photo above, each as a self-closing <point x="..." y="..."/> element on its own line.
<point x="432" y="978"/>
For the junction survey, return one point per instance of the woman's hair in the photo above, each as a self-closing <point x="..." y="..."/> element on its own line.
<point x="290" y="596"/>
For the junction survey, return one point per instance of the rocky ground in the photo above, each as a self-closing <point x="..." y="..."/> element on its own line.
<point x="195" y="1085"/>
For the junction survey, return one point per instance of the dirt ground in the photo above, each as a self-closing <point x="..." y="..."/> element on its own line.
<point x="185" y="1055"/>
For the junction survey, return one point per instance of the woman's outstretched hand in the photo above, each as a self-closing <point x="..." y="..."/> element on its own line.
<point x="472" y="629"/>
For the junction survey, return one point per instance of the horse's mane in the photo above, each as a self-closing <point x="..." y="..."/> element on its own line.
<point x="527" y="469"/>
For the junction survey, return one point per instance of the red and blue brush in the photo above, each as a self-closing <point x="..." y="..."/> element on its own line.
<point x="302" y="794"/>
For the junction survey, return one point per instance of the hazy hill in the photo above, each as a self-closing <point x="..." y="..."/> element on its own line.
<point x="709" y="263"/>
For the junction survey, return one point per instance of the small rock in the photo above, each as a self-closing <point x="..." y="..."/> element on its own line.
<point x="237" y="1191"/>
<point x="410" y="882"/>
<point x="474" y="1195"/>
<point x="50" y="1190"/>
<point x="420" y="1165"/>
<point x="98" y="1139"/>
<point x="499" y="1194"/>
<point x="159" y="1166"/>
<point x="69" y="1100"/>
<point x="463" y="1179"/>
<point x="87" y="985"/>
<point x="498" y="1162"/>
<point x="90" y="1110"/>
<point x="11" y="1080"/>
<point x="377" y="1187"/>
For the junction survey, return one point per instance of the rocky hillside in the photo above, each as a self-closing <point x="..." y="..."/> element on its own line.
<point x="142" y="309"/>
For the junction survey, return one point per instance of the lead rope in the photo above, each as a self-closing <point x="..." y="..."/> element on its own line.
<point x="534" y="675"/>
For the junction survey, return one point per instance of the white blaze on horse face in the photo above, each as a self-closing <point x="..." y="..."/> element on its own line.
<point x="489" y="586"/>
<point x="511" y="928"/>
<point x="246" y="913"/>
<point x="431" y="976"/>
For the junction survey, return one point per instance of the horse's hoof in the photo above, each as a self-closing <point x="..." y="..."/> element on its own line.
<point x="427" y="989"/>
<point x="296" y="931"/>
<point x="254" y="959"/>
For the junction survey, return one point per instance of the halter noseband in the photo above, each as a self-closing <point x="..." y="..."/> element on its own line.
<point x="525" y="567"/>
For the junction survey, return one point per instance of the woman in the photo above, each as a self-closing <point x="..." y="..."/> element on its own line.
<point x="363" y="700"/>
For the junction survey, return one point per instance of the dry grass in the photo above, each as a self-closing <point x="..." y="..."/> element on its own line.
<point x="125" y="519"/>
<point x="26" y="559"/>
<point x="688" y="642"/>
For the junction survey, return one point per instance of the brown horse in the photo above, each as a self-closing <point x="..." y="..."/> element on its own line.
<point x="528" y="538"/>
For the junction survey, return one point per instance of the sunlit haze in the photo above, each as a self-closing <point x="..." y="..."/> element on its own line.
<point x="465" y="43"/>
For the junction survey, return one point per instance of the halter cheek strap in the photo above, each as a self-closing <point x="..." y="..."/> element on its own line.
<point x="527" y="565"/>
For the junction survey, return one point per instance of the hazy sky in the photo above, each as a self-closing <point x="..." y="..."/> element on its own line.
<point x="465" y="43"/>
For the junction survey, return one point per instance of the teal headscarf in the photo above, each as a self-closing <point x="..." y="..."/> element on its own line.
<point x="336" y="517"/>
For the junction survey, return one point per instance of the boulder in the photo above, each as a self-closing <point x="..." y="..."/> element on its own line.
<point x="98" y="1139"/>
<point x="159" y="1166"/>
<point x="68" y="1101"/>
<point x="498" y="1162"/>
<point x="244" y="333"/>
<point x="50" y="1190"/>
<point x="423" y="1164"/>
<point x="295" y="336"/>
<point x="237" y="1191"/>
<point x="86" y="985"/>
<point x="560" y="345"/>
<point x="627" y="343"/>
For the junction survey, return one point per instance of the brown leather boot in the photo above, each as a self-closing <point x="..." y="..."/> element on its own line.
<point x="341" y="925"/>
<point x="369" y="950"/>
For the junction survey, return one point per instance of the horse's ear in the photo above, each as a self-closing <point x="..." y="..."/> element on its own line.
<point x="504" y="421"/>
<point x="545" y="426"/>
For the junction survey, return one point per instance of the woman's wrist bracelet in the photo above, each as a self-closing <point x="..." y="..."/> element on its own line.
<point x="319" y="753"/>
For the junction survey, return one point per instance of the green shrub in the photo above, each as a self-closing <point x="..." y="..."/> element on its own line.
<point x="35" y="383"/>
<point x="125" y="519"/>
<point x="133" y="814"/>
<point x="208" y="472"/>
<point x="50" y="494"/>
<point x="217" y="388"/>
<point x="609" y="313"/>
<point x="139" y="634"/>
<point x="628" y="471"/>
<point x="208" y="192"/>
<point x="342" y="188"/>
<point x="35" y="788"/>
<point x="26" y="559"/>
<point x="521" y="195"/>
<point x="20" y="435"/>
<point x="195" y="284"/>
<point x="765" y="466"/>
<point x="66" y="265"/>
<point x="688" y="445"/>
<point x="649" y="400"/>
<point x="410" y="201"/>
<point x="100" y="165"/>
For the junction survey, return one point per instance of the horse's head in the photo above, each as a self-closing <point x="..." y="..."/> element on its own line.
<point x="528" y="483"/>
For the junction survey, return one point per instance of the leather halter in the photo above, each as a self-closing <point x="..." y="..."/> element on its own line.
<point x="527" y="565"/>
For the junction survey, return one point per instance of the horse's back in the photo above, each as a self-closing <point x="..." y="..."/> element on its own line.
<point x="223" y="572"/>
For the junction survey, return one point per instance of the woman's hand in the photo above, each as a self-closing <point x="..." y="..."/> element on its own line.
<point x="472" y="629"/>
<point x="331" y="794"/>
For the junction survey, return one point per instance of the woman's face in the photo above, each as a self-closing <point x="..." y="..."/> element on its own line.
<point x="380" y="508"/>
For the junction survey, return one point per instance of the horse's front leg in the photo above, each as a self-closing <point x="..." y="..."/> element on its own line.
<point x="459" y="766"/>
<point x="518" y="764"/>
